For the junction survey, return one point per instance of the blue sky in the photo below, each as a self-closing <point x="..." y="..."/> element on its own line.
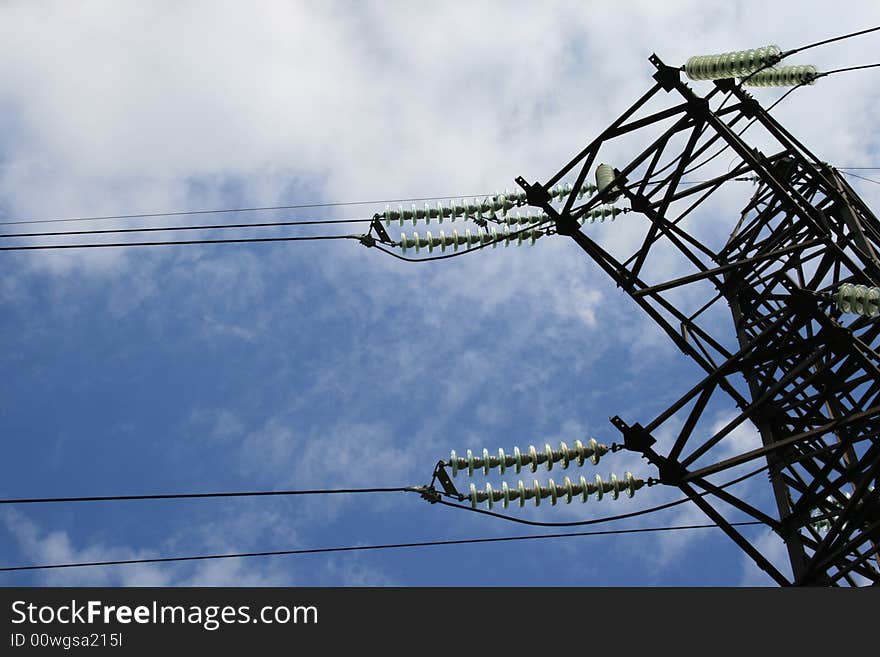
<point x="312" y="365"/>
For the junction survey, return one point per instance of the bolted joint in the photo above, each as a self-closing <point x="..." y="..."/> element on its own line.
<point x="639" y="203"/>
<point x="838" y="338"/>
<point x="429" y="493"/>
<point x="745" y="295"/>
<point x="804" y="303"/>
<point x="726" y="85"/>
<point x="749" y="108"/>
<point x="635" y="438"/>
<point x="771" y="415"/>
<point x="668" y="77"/>
<point x="784" y="167"/>
<point x="377" y="226"/>
<point x="791" y="525"/>
<point x="672" y="473"/>
<point x="566" y="226"/>
<point x="699" y="107"/>
<point x="536" y="195"/>
<point x="442" y="476"/>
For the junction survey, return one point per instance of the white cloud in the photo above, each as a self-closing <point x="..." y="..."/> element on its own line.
<point x="56" y="547"/>
<point x="108" y="107"/>
<point x="222" y="536"/>
<point x="355" y="571"/>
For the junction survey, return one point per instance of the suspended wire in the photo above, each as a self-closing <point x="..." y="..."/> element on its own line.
<point x="703" y="128"/>
<point x="779" y="100"/>
<point x="184" y="496"/>
<point x="855" y="175"/>
<point x="225" y="241"/>
<point x="178" y="213"/>
<point x="741" y="132"/>
<point x="159" y="229"/>
<point x="844" y="70"/>
<point x="786" y="54"/>
<point x="267" y="224"/>
<point x="394" y="489"/>
<point x="181" y="213"/>
<point x="832" y="40"/>
<point x="783" y="56"/>
<point x="396" y="545"/>
<point x="678" y="157"/>
<point x="603" y="519"/>
<point x="697" y="182"/>
<point x="429" y="258"/>
<point x="574" y="523"/>
<point x="386" y="546"/>
<point x="152" y="229"/>
<point x="728" y="96"/>
<point x="529" y="228"/>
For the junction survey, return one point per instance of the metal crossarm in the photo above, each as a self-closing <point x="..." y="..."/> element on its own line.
<point x="755" y="301"/>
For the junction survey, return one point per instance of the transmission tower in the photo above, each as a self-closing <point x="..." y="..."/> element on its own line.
<point x="805" y="373"/>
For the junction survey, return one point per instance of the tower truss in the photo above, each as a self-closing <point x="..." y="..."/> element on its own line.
<point x="752" y="306"/>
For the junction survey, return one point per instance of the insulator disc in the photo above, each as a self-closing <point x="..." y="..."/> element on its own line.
<point x="731" y="64"/>
<point x="858" y="299"/>
<point x="604" y="177"/>
<point x="532" y="458"/>
<point x="567" y="490"/>
<point x="787" y="76"/>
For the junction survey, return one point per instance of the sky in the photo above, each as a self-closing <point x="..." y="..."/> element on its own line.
<point x="327" y="364"/>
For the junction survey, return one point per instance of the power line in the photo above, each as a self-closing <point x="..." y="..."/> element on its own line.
<point x="226" y="241"/>
<point x="769" y="65"/>
<point x="741" y="132"/>
<point x="848" y="68"/>
<point x="429" y="258"/>
<point x="386" y="546"/>
<point x="786" y="54"/>
<point x="574" y="523"/>
<point x="180" y="213"/>
<point x="181" y="496"/>
<point x="329" y="491"/>
<point x="379" y="201"/>
<point x="855" y="175"/>
<point x="832" y="40"/>
<point x="774" y="104"/>
<point x="267" y="224"/>
<point x="514" y="234"/>
<point x="353" y="548"/>
<point x="593" y="521"/>
<point x="158" y="229"/>
<point x="309" y="222"/>
<point x="528" y="229"/>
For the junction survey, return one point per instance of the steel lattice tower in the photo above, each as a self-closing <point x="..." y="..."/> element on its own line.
<point x="807" y="376"/>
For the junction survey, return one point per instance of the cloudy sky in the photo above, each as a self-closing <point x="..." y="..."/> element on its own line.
<point x="325" y="364"/>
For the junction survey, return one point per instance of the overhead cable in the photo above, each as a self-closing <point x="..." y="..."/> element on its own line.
<point x="361" y="548"/>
